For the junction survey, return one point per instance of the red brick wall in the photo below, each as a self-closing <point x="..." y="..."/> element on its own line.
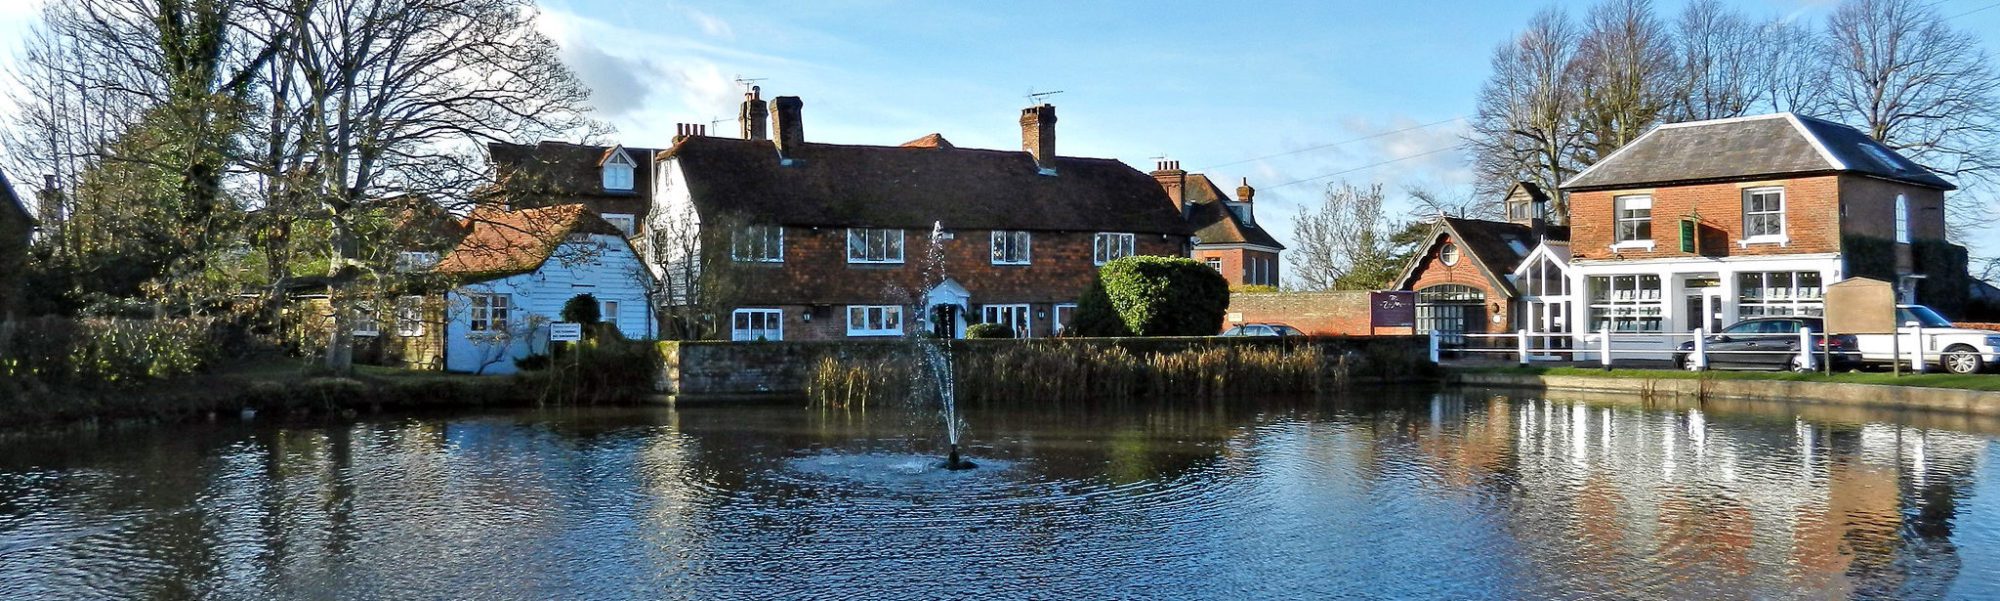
<point x="1812" y="223"/>
<point x="1869" y="209"/>
<point x="1336" y="313"/>
<point x="1433" y="272"/>
<point x="1236" y="265"/>
<point x="816" y="273"/>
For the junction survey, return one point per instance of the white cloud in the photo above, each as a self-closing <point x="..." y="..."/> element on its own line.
<point x="714" y="26"/>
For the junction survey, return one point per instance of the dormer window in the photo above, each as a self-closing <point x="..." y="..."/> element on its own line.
<point x="1242" y="213"/>
<point x="618" y="171"/>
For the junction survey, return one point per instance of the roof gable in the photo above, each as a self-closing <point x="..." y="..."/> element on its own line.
<point x="1214" y="224"/>
<point x="12" y="203"/>
<point x="501" y="243"/>
<point x="913" y="187"/>
<point x="1496" y="248"/>
<point x="1747" y="147"/>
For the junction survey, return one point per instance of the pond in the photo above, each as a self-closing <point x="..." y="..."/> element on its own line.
<point x="1463" y="494"/>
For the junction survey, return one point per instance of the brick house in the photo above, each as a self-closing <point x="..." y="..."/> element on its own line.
<point x="17" y="226"/>
<point x="777" y="238"/>
<point x="1699" y="224"/>
<point x="1227" y="236"/>
<point x="1484" y="276"/>
<point x="615" y="182"/>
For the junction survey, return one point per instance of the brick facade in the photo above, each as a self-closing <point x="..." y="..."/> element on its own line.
<point x="1335" y="313"/>
<point x="815" y="278"/>
<point x="1235" y="265"/>
<point x="1819" y="210"/>
<point x="1432" y="271"/>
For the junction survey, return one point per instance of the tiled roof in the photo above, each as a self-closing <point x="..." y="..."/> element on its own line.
<point x="500" y="243"/>
<point x="1497" y="247"/>
<point x="552" y="173"/>
<point x="1213" y="222"/>
<point x="1749" y="147"/>
<point x="930" y="141"/>
<point x="12" y="203"/>
<point x="840" y="185"/>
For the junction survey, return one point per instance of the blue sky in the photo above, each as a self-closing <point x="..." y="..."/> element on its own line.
<point x="1210" y="84"/>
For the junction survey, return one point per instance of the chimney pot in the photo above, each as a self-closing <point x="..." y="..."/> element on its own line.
<point x="754" y="114"/>
<point x="1174" y="181"/>
<point x="1038" y="135"/>
<point x="786" y="126"/>
<point x="1244" y="192"/>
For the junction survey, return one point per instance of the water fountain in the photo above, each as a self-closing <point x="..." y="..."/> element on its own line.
<point x="935" y="352"/>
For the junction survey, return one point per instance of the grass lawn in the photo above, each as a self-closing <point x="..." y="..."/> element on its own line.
<point x="1929" y="380"/>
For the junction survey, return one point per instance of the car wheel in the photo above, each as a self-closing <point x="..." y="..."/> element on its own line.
<point x="1687" y="363"/>
<point x="1963" y="360"/>
<point x="1796" y="366"/>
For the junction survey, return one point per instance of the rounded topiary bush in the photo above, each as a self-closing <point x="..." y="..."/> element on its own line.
<point x="1153" y="296"/>
<point x="988" y="330"/>
<point x="582" y="309"/>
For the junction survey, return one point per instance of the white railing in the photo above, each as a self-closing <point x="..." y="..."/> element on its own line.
<point x="1604" y="347"/>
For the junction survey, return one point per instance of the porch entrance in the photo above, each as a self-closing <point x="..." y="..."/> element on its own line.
<point x="1547" y="323"/>
<point x="1702" y="305"/>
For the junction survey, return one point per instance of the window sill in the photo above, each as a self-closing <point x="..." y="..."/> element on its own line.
<point x="1012" y="263"/>
<point x="759" y="261"/>
<point x="871" y="334"/>
<point x="1780" y="240"/>
<point x="891" y="263"/>
<point x="1646" y="245"/>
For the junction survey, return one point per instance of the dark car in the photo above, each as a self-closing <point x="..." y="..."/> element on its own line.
<point x="1772" y="343"/>
<point x="1278" y="330"/>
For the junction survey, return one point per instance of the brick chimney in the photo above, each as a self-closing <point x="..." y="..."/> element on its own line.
<point x="1241" y="207"/>
<point x="683" y="131"/>
<point x="1038" y="136"/>
<point x="786" y="127"/>
<point x="1173" y="180"/>
<point x="1244" y="192"/>
<point x="754" y="115"/>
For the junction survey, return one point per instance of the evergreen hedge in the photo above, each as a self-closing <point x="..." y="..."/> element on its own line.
<point x="1153" y="296"/>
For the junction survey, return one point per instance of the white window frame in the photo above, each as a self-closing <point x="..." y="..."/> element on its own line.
<point x="1619" y="238"/>
<point x="1214" y="263"/>
<point x="367" y="323"/>
<point x="625" y="222"/>
<point x="607" y="312"/>
<point x="1750" y="215"/>
<point x="1758" y="297"/>
<point x="488" y="309"/>
<point x="757" y="244"/>
<point x="410" y="316"/>
<point x="874" y="320"/>
<point x="1106" y="247"/>
<point x="415" y="260"/>
<point x="1449" y="254"/>
<point x="1902" y="219"/>
<point x="617" y="174"/>
<point x="877" y="246"/>
<point x="1059" y="323"/>
<point x="771" y="324"/>
<point x="1627" y="300"/>
<point x="1019" y="316"/>
<point x="1012" y="247"/>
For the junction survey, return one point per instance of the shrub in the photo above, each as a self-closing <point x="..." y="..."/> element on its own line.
<point x="1153" y="296"/>
<point x="988" y="330"/>
<point x="532" y="363"/>
<point x="582" y="309"/>
<point x="106" y="353"/>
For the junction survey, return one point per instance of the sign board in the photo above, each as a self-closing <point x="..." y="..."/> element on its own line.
<point x="1690" y="236"/>
<point x="1392" y="309"/>
<point x="1860" y="306"/>
<point x="565" y="332"/>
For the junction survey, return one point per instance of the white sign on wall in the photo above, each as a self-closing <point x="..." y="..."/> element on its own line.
<point x="565" y="332"/>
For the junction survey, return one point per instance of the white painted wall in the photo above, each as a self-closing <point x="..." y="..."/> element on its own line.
<point x="599" y="265"/>
<point x="1673" y="274"/>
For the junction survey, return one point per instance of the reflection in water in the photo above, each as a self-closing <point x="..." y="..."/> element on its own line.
<point x="1463" y="494"/>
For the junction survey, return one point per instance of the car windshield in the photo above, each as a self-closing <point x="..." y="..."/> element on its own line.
<point x="1923" y="315"/>
<point x="1235" y="331"/>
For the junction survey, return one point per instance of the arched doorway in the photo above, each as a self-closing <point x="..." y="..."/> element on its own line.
<point x="944" y="309"/>
<point x="1451" y="310"/>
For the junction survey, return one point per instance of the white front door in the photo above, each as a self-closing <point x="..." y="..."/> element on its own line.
<point x="1704" y="310"/>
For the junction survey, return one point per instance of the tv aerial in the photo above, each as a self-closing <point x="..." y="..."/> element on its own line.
<point x="1035" y="97"/>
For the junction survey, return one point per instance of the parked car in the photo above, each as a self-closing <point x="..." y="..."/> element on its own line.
<point x="1771" y="343"/>
<point x="1264" y="330"/>
<point x="1957" y="350"/>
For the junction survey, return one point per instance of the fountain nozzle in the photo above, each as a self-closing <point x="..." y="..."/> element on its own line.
<point x="954" y="462"/>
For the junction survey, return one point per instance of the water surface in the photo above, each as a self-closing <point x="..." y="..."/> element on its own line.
<point x="1463" y="494"/>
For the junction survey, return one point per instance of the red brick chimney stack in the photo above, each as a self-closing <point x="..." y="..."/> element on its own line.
<point x="786" y="127"/>
<point x="1173" y="180"/>
<point x="754" y="115"/>
<point x="1038" y="135"/>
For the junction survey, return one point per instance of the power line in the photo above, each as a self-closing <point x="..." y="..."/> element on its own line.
<point x="1996" y="4"/>
<point x="1333" y="144"/>
<point x="1368" y="166"/>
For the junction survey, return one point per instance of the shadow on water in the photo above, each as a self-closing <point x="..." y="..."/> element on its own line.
<point x="1388" y="494"/>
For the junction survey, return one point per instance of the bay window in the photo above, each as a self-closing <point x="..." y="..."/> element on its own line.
<point x="1778" y="293"/>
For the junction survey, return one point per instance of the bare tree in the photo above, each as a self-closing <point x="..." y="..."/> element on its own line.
<point x="1905" y="77"/>
<point x="1344" y="242"/>
<point x="1789" y="74"/>
<point x="1625" y="62"/>
<point x="693" y="259"/>
<point x="1718" y="63"/>
<point x="394" y="97"/>
<point x="1525" y="126"/>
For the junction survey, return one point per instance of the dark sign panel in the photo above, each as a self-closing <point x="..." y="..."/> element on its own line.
<point x="1392" y="309"/>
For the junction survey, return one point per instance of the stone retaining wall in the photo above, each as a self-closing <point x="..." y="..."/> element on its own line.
<point x="1828" y="393"/>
